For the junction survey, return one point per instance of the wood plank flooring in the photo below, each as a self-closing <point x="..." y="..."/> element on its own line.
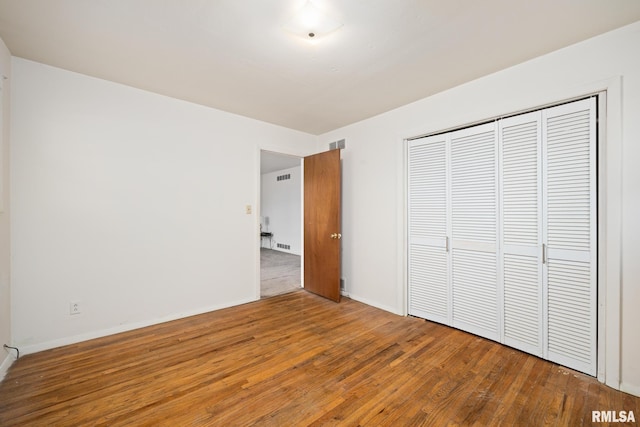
<point x="297" y="360"/>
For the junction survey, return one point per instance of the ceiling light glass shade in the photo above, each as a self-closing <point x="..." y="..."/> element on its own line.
<point x="311" y="22"/>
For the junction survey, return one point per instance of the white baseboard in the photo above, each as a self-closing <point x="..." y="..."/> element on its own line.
<point x="375" y="304"/>
<point x="5" y="365"/>
<point x="47" y="345"/>
<point x="631" y="389"/>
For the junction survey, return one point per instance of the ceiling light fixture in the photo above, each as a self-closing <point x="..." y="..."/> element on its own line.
<point x="310" y="22"/>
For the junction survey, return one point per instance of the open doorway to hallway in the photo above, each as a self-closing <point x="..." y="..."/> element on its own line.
<point x="280" y="223"/>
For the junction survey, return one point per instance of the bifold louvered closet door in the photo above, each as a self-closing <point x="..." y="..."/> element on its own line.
<point x="473" y="219"/>
<point x="520" y="143"/>
<point x="429" y="288"/>
<point x="502" y="231"/>
<point x="570" y="234"/>
<point x="453" y="229"/>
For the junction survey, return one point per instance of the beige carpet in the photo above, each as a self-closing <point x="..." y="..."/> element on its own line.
<point x="279" y="272"/>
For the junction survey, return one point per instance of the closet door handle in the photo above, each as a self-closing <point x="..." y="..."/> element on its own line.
<point x="446" y="243"/>
<point x="544" y="253"/>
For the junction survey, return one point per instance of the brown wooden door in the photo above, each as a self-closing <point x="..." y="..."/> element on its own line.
<point x="322" y="224"/>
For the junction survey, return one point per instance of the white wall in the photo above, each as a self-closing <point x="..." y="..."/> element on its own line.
<point x="373" y="261"/>
<point x="281" y="201"/>
<point x="5" y="296"/>
<point x="129" y="202"/>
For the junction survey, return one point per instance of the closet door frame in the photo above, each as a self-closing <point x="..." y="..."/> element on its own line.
<point x="609" y="164"/>
<point x="609" y="234"/>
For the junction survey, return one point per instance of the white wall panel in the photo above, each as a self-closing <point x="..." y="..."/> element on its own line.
<point x="129" y="202"/>
<point x="5" y="209"/>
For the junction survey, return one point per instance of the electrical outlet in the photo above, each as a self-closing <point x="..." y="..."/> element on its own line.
<point x="74" y="307"/>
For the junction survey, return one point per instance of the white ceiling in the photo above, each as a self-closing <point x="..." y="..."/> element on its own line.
<point x="234" y="55"/>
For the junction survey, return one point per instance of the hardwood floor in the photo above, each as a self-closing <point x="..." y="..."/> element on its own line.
<point x="296" y="360"/>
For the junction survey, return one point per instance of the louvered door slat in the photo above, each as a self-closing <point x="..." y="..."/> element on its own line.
<point x="428" y="260"/>
<point x="568" y="174"/>
<point x="570" y="206"/>
<point x="474" y="290"/>
<point x="429" y="289"/>
<point x="521" y="184"/>
<point x="522" y="303"/>
<point x="427" y="187"/>
<point x="473" y="184"/>
<point x="473" y="224"/>
<point x="570" y="314"/>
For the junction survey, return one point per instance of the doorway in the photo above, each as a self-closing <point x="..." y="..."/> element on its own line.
<point x="280" y="223"/>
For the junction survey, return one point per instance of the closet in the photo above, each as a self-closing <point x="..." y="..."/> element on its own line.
<point x="502" y="231"/>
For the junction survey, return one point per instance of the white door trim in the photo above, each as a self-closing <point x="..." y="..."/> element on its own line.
<point x="278" y="150"/>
